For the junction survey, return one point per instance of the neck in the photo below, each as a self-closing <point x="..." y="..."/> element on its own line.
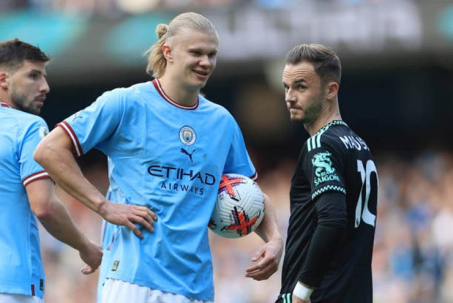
<point x="5" y="99"/>
<point x="323" y="119"/>
<point x="179" y="93"/>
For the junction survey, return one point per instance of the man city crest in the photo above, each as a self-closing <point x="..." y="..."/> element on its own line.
<point x="187" y="135"/>
<point x="42" y="131"/>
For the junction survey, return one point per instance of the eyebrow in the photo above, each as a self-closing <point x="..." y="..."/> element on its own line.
<point x="297" y="81"/>
<point x="37" y="71"/>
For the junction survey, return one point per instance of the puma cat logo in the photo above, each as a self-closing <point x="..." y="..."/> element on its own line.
<point x="190" y="155"/>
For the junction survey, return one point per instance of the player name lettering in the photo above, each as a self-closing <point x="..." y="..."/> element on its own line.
<point x="181" y="174"/>
<point x="354" y="142"/>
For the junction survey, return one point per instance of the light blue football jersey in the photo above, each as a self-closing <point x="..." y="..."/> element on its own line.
<point x="169" y="158"/>
<point x="21" y="269"/>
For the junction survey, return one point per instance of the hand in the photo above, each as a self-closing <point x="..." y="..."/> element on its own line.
<point x="296" y="299"/>
<point x="269" y="256"/>
<point x="126" y="215"/>
<point x="91" y="254"/>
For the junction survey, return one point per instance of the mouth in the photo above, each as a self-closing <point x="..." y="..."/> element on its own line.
<point x="292" y="109"/>
<point x="40" y="99"/>
<point x="201" y="74"/>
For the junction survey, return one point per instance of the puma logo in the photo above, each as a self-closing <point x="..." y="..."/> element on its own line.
<point x="190" y="155"/>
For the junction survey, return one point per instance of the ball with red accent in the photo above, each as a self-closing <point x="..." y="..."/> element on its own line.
<point x="239" y="209"/>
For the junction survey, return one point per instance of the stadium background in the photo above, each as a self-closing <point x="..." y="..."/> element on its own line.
<point x="396" y="92"/>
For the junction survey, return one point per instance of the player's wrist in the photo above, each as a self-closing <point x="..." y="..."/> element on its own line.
<point x="102" y="207"/>
<point x="83" y="244"/>
<point x="302" y="291"/>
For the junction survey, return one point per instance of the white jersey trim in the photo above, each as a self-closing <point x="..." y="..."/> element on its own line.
<point x="36" y="176"/>
<point x="70" y="132"/>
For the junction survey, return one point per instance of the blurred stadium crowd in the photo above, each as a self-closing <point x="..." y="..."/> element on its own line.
<point x="413" y="254"/>
<point x="109" y="7"/>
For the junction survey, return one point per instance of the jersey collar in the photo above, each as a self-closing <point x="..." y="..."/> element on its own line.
<point x="334" y="122"/>
<point x="3" y="104"/>
<point x="159" y="88"/>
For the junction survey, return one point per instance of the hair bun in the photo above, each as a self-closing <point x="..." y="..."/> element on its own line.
<point x="161" y="30"/>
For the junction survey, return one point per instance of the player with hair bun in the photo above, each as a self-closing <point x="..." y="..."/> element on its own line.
<point x="167" y="148"/>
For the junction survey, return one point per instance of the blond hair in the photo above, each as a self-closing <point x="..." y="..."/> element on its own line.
<point x="156" y="60"/>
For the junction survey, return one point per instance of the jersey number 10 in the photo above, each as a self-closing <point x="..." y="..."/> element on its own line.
<point x="365" y="174"/>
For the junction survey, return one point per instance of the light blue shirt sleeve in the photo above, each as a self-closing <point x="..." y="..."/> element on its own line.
<point x="238" y="159"/>
<point x="94" y="126"/>
<point x="30" y="170"/>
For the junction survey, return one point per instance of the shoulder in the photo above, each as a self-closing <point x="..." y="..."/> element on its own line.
<point x="328" y="137"/>
<point x="21" y="124"/>
<point x="121" y="98"/>
<point x="128" y="92"/>
<point x="25" y="119"/>
<point x="214" y="109"/>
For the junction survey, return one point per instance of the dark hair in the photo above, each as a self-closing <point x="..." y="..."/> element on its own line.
<point x="325" y="62"/>
<point x="14" y="52"/>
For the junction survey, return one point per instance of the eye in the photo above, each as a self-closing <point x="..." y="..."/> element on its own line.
<point x="196" y="53"/>
<point x="301" y="87"/>
<point x="212" y="55"/>
<point x="34" y="76"/>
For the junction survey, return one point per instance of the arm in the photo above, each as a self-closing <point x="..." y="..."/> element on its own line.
<point x="56" y="220"/>
<point x="269" y="254"/>
<point x="54" y="153"/>
<point x="331" y="214"/>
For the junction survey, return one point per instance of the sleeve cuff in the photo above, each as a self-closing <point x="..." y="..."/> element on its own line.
<point x="36" y="176"/>
<point x="76" y="147"/>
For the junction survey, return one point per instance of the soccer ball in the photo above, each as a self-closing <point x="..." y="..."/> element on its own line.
<point x="239" y="209"/>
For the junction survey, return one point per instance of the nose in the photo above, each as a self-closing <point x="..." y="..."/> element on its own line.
<point x="206" y="61"/>
<point x="44" y="87"/>
<point x="289" y="96"/>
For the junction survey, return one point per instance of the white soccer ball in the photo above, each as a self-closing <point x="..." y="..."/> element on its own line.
<point x="239" y="209"/>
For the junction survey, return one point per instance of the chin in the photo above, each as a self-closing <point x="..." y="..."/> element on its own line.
<point x="198" y="85"/>
<point x="35" y="111"/>
<point x="296" y="119"/>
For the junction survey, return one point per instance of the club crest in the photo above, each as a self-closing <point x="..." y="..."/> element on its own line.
<point x="42" y="131"/>
<point x="187" y="135"/>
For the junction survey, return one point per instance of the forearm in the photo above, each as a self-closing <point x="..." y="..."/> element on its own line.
<point x="268" y="256"/>
<point x="320" y="254"/>
<point x="58" y="161"/>
<point x="331" y="213"/>
<point x="59" y="224"/>
<point x="268" y="229"/>
<point x="65" y="171"/>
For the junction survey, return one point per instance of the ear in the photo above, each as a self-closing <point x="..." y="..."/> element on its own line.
<point x="332" y="90"/>
<point x="4" y="79"/>
<point x="167" y="52"/>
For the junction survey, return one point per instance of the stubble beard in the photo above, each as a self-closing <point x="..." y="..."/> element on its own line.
<point x="313" y="112"/>
<point x="20" y="102"/>
<point x="309" y="115"/>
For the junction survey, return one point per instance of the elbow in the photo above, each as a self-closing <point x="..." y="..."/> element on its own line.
<point x="38" y="154"/>
<point x="41" y="153"/>
<point x="44" y="212"/>
<point x="334" y="219"/>
<point x="337" y="223"/>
